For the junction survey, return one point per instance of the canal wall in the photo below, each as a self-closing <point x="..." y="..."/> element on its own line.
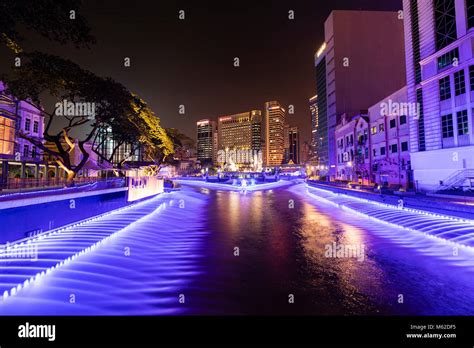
<point x="24" y="218"/>
<point x="428" y="204"/>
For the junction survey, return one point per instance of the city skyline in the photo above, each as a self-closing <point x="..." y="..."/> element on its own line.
<point x="194" y="66"/>
<point x="300" y="164"/>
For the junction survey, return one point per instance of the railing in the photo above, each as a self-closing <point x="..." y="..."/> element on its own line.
<point x="33" y="185"/>
<point x="457" y="178"/>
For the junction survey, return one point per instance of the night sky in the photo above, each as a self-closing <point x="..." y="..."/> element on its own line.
<point x="190" y="61"/>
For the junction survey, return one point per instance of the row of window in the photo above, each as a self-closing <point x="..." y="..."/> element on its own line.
<point x="392" y="124"/>
<point x="459" y="84"/>
<point x="28" y="126"/>
<point x="393" y="149"/>
<point x="26" y="151"/>
<point x="447" y="124"/>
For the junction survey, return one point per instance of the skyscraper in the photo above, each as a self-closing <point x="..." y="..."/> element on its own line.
<point x="360" y="62"/>
<point x="439" y="40"/>
<point x="206" y="140"/>
<point x="313" y="108"/>
<point x="274" y="133"/>
<point x="294" y="145"/>
<point x="241" y="132"/>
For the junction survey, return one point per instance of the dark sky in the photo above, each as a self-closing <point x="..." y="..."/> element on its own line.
<point x="190" y="62"/>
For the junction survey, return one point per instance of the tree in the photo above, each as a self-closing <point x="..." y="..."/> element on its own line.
<point x="58" y="21"/>
<point x="181" y="142"/>
<point x="129" y="117"/>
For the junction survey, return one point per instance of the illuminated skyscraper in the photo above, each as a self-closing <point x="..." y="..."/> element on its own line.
<point x="274" y="133"/>
<point x="241" y="132"/>
<point x="313" y="107"/>
<point x="206" y="130"/>
<point x="294" y="145"/>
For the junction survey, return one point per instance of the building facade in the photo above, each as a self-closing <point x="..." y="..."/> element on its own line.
<point x="313" y="109"/>
<point x="19" y="158"/>
<point x="390" y="143"/>
<point x="353" y="149"/>
<point x="274" y="122"/>
<point x="294" y="145"/>
<point x="346" y="82"/>
<point x="240" y="139"/>
<point x="439" y="39"/>
<point x="206" y="141"/>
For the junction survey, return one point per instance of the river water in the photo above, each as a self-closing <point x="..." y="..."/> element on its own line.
<point x="206" y="251"/>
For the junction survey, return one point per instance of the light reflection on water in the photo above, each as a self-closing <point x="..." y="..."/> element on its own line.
<point x="190" y="250"/>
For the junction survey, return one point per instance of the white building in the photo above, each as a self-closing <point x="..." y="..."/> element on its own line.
<point x="390" y="143"/>
<point x="439" y="42"/>
<point x="352" y="149"/>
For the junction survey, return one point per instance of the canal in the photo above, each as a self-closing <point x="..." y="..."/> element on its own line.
<point x="202" y="251"/>
<point x="282" y="265"/>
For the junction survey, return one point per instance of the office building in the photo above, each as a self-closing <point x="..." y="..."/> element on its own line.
<point x="293" y="145"/>
<point x="206" y="141"/>
<point x="360" y="62"/>
<point x="313" y="108"/>
<point x="274" y="122"/>
<point x="240" y="137"/>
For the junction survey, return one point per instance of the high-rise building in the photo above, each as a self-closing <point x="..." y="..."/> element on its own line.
<point x="293" y="145"/>
<point x="240" y="132"/>
<point x="206" y="141"/>
<point x="360" y="62"/>
<point x="274" y="133"/>
<point x="313" y="108"/>
<point x="439" y="36"/>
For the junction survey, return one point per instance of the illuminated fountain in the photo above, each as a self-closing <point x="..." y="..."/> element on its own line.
<point x="447" y="229"/>
<point x="134" y="261"/>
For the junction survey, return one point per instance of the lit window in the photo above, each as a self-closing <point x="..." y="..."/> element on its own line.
<point x="448" y="59"/>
